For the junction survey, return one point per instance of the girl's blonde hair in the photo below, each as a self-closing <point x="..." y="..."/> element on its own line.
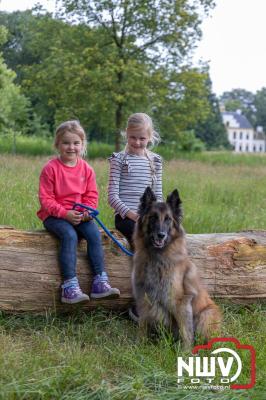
<point x="142" y="120"/>
<point x="72" y="127"/>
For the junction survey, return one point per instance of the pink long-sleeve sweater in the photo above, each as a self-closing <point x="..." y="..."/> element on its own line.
<point x="61" y="186"/>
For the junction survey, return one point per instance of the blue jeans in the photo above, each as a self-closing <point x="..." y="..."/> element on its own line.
<point x="69" y="235"/>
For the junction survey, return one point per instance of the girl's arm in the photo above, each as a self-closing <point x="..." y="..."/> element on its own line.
<point x="47" y="196"/>
<point x="113" y="188"/>
<point x="132" y="215"/>
<point x="158" y="186"/>
<point x="91" y="196"/>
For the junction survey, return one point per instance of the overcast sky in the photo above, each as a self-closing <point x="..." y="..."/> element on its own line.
<point x="234" y="42"/>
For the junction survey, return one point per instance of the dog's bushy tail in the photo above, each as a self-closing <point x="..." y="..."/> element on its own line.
<point x="208" y="322"/>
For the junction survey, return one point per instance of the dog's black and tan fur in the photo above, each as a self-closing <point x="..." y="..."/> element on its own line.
<point x="166" y="284"/>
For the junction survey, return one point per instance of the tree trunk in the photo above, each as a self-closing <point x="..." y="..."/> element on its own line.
<point x="232" y="266"/>
<point x="118" y="122"/>
<point x="118" y="113"/>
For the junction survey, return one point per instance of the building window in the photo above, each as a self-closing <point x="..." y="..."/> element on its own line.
<point x="234" y="135"/>
<point x="260" y="147"/>
<point x="247" y="147"/>
<point x="240" y="135"/>
<point x="240" y="147"/>
<point x="254" y="148"/>
<point x="247" y="136"/>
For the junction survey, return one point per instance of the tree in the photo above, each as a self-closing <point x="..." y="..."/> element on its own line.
<point x="13" y="105"/>
<point x="158" y="34"/>
<point x="240" y="99"/>
<point x="17" y="49"/>
<point x="252" y="105"/>
<point x="211" y="130"/>
<point x="68" y="71"/>
<point x="260" y="104"/>
<point x="77" y="70"/>
<point x="27" y="47"/>
<point x="179" y="102"/>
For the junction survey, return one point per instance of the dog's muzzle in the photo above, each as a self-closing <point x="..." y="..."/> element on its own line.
<point x="159" y="240"/>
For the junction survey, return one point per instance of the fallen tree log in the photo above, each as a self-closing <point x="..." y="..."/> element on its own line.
<point x="232" y="266"/>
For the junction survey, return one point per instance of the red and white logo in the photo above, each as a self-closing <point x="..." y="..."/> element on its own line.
<point x="229" y="365"/>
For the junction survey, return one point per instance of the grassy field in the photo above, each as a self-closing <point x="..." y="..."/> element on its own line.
<point x="98" y="355"/>
<point x="216" y="198"/>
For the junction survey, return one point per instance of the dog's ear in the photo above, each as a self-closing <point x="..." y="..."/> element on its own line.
<point x="146" y="201"/>
<point x="174" y="201"/>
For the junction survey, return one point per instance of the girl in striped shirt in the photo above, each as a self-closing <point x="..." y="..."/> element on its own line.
<point x="132" y="170"/>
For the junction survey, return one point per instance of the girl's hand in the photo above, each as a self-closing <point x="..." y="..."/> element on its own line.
<point x="132" y="215"/>
<point x="74" y="217"/>
<point x="86" y="216"/>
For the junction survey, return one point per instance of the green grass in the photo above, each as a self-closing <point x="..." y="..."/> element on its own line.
<point x="99" y="355"/>
<point x="224" y="198"/>
<point x="213" y="157"/>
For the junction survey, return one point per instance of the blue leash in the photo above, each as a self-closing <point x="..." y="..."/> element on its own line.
<point x="93" y="213"/>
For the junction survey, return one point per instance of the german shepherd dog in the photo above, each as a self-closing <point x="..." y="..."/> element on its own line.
<point x="166" y="285"/>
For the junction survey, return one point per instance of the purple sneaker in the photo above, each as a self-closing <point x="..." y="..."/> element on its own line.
<point x="71" y="293"/>
<point x="102" y="289"/>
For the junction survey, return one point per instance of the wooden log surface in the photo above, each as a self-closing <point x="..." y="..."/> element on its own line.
<point x="232" y="266"/>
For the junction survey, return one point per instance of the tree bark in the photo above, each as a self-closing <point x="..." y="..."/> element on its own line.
<point x="118" y="122"/>
<point x="118" y="113"/>
<point x="232" y="266"/>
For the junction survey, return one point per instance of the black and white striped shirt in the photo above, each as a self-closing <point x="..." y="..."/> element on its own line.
<point x="129" y="176"/>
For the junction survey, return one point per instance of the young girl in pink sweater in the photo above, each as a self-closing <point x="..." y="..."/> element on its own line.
<point x="64" y="181"/>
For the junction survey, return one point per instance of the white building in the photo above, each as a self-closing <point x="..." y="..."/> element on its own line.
<point x="241" y="134"/>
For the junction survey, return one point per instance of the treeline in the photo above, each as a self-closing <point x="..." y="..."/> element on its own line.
<point x="252" y="105"/>
<point x="99" y="61"/>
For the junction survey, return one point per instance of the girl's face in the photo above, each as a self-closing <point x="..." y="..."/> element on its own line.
<point x="137" y="141"/>
<point x="70" y="147"/>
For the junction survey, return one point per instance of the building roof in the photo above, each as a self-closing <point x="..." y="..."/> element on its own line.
<point x="236" y="120"/>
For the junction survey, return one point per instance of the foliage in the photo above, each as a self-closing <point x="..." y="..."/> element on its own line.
<point x="140" y="33"/>
<point x="27" y="145"/>
<point x="27" y="51"/>
<point x="252" y="105"/>
<point x="211" y="130"/>
<point x="180" y="101"/>
<point x="170" y="150"/>
<point x="38" y="146"/>
<point x="100" y="74"/>
<point x="187" y="143"/>
<point x="260" y="105"/>
<point x="13" y="105"/>
<point x="240" y="99"/>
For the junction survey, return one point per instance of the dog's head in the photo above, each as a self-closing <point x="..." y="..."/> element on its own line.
<point x="159" y="222"/>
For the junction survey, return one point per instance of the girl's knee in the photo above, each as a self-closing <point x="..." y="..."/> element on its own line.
<point x="70" y="235"/>
<point x="90" y="230"/>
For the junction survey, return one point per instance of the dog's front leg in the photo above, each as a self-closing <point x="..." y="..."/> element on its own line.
<point x="143" y="328"/>
<point x="184" y="319"/>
